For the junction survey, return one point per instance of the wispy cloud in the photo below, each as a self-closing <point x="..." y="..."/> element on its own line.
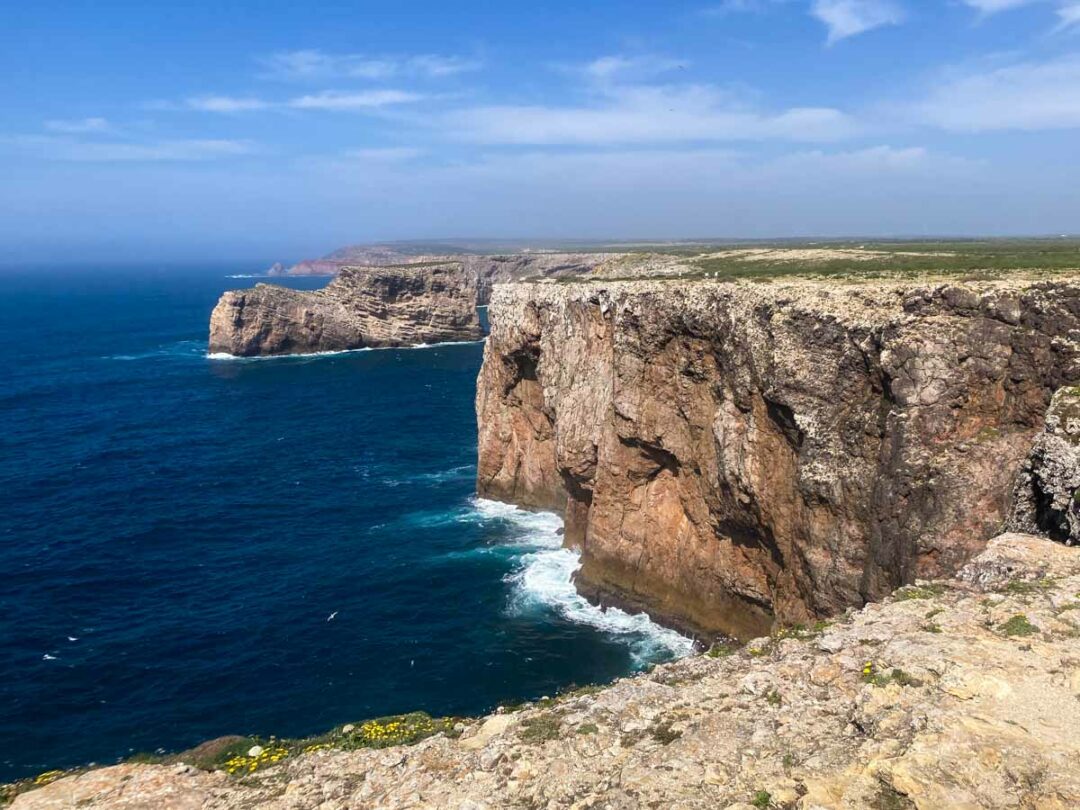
<point x="70" y="149"/>
<point x="80" y="126"/>
<point x="618" y="67"/>
<point x="1023" y="96"/>
<point x="994" y="6"/>
<point x="848" y="18"/>
<point x="385" y="154"/>
<point x="645" y="114"/>
<point x="324" y="100"/>
<point x="1069" y="16"/>
<point x="316" y="65"/>
<point x="362" y="100"/>
<point x="225" y="104"/>
<point x="729" y="7"/>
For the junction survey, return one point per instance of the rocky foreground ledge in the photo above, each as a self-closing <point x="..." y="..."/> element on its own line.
<point x="961" y="693"/>
<point x="363" y="307"/>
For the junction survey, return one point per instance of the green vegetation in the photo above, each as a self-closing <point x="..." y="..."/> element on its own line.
<point x="587" y="728"/>
<point x="540" y="729"/>
<point x="720" y="651"/>
<point x="982" y="259"/>
<point x="773" y="698"/>
<point x="663" y="733"/>
<point x="909" y="592"/>
<point x="1018" y="625"/>
<point x="762" y="799"/>
<point x="871" y="675"/>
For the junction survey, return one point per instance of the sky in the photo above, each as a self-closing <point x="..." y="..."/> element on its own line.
<point x="281" y="130"/>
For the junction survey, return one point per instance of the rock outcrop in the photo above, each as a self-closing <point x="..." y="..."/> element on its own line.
<point x="1048" y="487"/>
<point x="362" y="307"/>
<point x="958" y="694"/>
<point x="732" y="456"/>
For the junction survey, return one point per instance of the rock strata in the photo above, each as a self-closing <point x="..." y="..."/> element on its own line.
<point x="362" y="307"/>
<point x="959" y="694"/>
<point x="729" y="456"/>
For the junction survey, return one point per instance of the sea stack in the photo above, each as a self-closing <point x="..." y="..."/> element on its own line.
<point x="364" y="307"/>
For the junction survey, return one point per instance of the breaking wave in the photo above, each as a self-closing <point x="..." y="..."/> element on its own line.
<point x="543" y="580"/>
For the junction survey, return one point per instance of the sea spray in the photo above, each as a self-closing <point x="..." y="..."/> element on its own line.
<point x="543" y="580"/>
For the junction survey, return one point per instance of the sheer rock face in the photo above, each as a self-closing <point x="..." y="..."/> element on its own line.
<point x="960" y="694"/>
<point x="732" y="455"/>
<point x="1048" y="487"/>
<point x="362" y="307"/>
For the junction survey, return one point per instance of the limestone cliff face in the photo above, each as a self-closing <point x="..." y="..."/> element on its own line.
<point x="732" y="455"/>
<point x="362" y="307"/>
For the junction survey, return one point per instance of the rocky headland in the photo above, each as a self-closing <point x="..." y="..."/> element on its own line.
<point x="362" y="307"/>
<point x="732" y="457"/>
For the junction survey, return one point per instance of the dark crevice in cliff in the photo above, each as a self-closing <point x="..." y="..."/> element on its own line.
<point x="784" y="418"/>
<point x="658" y="459"/>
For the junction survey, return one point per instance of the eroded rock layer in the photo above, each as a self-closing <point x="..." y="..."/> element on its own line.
<point x="732" y="455"/>
<point x="362" y="307"/>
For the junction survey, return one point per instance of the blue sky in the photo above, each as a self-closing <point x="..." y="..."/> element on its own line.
<point x="244" y="130"/>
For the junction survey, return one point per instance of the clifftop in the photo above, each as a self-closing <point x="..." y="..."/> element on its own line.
<point x="961" y="694"/>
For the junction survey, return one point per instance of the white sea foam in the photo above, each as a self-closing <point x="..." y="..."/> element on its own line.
<point x="240" y="358"/>
<point x="544" y="580"/>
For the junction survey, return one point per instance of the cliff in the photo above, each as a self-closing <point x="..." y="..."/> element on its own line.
<point x="953" y="694"/>
<point x="362" y="307"/>
<point x="734" y="456"/>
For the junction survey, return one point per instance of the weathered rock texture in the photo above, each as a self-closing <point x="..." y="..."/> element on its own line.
<point x="732" y="455"/>
<point x="362" y="307"/>
<point x="961" y="695"/>
<point x="1048" y="487"/>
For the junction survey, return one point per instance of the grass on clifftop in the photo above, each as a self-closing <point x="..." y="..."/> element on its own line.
<point x="850" y="261"/>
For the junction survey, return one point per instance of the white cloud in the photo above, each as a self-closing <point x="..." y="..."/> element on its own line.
<point x="1069" y="16"/>
<point x="310" y="64"/>
<point x="994" y="6"/>
<point x="385" y="154"/>
<point x="847" y="18"/>
<point x="1023" y="96"/>
<point x="623" y="68"/>
<point x="645" y="114"/>
<point x="225" y="104"/>
<point x="365" y="99"/>
<point x="70" y="149"/>
<point x="81" y="126"/>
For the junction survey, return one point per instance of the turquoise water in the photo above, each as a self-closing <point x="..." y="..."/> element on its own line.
<point x="176" y="533"/>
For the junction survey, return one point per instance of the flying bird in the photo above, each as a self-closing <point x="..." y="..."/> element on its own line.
<point x="330" y="618"/>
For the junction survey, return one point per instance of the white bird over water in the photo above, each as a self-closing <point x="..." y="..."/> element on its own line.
<point x="331" y="616"/>
<point x="47" y="657"/>
<point x="72" y="638"/>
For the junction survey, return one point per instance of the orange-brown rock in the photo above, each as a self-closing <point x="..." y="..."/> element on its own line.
<point x="362" y="307"/>
<point x="728" y="456"/>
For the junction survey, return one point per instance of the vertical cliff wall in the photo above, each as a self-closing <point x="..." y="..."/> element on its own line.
<point x="732" y="455"/>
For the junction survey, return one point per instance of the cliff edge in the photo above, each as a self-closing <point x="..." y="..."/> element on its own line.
<point x="362" y="307"/>
<point x="735" y="456"/>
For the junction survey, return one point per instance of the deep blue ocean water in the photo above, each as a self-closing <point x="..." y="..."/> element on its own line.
<point x="176" y="531"/>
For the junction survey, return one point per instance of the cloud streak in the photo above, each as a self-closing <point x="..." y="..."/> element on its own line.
<point x="1026" y="96"/>
<point x="848" y="18"/>
<point x="316" y="65"/>
<point x="639" y="114"/>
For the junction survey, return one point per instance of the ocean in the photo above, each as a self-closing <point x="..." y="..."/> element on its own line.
<point x="195" y="546"/>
